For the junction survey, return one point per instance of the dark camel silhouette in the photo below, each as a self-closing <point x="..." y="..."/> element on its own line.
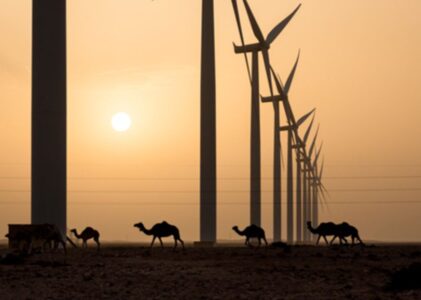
<point x="340" y="231"/>
<point x="48" y="233"/>
<point x="252" y="231"/>
<point x="161" y="230"/>
<point x="87" y="234"/>
<point x="345" y="230"/>
<point x="324" y="230"/>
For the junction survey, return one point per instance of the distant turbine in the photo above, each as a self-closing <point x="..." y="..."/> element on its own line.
<point x="316" y="179"/>
<point x="309" y="170"/>
<point x="48" y="162"/>
<point x="292" y="129"/>
<point x="262" y="46"/>
<point x="303" y="162"/>
<point x="299" y="145"/>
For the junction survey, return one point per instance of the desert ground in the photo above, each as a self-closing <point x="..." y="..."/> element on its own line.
<point x="228" y="271"/>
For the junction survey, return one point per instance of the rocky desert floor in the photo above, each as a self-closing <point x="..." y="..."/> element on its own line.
<point x="222" y="272"/>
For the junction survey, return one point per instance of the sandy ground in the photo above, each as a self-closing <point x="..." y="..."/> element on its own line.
<point x="223" y="272"/>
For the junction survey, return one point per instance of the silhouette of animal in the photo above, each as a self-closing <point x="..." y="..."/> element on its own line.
<point x="252" y="231"/>
<point x="28" y="234"/>
<point x="161" y="230"/>
<point x="345" y="230"/>
<point x="87" y="234"/>
<point x="324" y="230"/>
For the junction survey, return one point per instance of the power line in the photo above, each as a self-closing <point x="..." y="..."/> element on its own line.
<point x="221" y="203"/>
<point x="220" y="178"/>
<point x="220" y="191"/>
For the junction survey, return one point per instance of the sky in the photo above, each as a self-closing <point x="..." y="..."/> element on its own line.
<point x="360" y="67"/>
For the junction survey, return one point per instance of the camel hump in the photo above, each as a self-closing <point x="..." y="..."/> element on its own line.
<point x="165" y="223"/>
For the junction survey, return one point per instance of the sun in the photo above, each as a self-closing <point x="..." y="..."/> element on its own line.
<point x="121" y="121"/>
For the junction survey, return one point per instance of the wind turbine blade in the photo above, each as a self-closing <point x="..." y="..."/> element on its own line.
<point x="317" y="156"/>
<point x="240" y="29"/>
<point x="278" y="28"/>
<point x="291" y="75"/>
<point x="278" y="84"/>
<point x="304" y="118"/>
<point x="313" y="143"/>
<point x="308" y="130"/>
<point x="266" y="59"/>
<point x="321" y="170"/>
<point x="324" y="201"/>
<point x="325" y="189"/>
<point x="256" y="29"/>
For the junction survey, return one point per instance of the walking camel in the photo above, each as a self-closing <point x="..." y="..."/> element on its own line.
<point x="340" y="231"/>
<point x="323" y="230"/>
<point x="345" y="230"/>
<point x="28" y="234"/>
<point x="161" y="230"/>
<point x="252" y="231"/>
<point x="87" y="234"/>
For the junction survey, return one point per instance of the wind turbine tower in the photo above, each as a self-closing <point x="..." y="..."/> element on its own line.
<point x="208" y="127"/>
<point x="48" y="163"/>
<point x="262" y="46"/>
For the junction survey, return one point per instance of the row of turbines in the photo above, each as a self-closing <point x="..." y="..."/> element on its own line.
<point x="49" y="131"/>
<point x="308" y="174"/>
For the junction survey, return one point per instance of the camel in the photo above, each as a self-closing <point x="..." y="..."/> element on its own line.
<point x="345" y="230"/>
<point x="252" y="231"/>
<point x="323" y="230"/>
<point x="47" y="233"/>
<point x="87" y="234"/>
<point x="340" y="231"/>
<point x="161" y="230"/>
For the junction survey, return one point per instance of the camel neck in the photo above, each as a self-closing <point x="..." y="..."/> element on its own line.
<point x="239" y="231"/>
<point x="147" y="231"/>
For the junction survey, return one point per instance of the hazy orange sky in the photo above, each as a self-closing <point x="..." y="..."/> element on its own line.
<point x="360" y="67"/>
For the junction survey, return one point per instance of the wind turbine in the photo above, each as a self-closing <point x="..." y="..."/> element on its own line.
<point x="316" y="185"/>
<point x="298" y="146"/>
<point x="208" y="126"/>
<point x="308" y="169"/>
<point x="277" y="193"/>
<point x="262" y="46"/>
<point x="292" y="128"/>
<point x="302" y="161"/>
<point x="48" y="155"/>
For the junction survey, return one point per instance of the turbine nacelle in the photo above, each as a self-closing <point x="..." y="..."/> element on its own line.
<point x="250" y="48"/>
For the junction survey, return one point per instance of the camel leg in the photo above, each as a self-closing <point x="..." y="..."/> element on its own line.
<point x="260" y="242"/>
<point x="97" y="243"/>
<point x="182" y="243"/>
<point x="359" y="239"/>
<point x="175" y="243"/>
<point x="160" y="240"/>
<point x="266" y="242"/>
<point x="318" y="239"/>
<point x="331" y="242"/>
<point x="153" y="241"/>
<point x="247" y="241"/>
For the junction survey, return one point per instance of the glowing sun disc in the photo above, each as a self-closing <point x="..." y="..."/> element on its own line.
<point x="121" y="121"/>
